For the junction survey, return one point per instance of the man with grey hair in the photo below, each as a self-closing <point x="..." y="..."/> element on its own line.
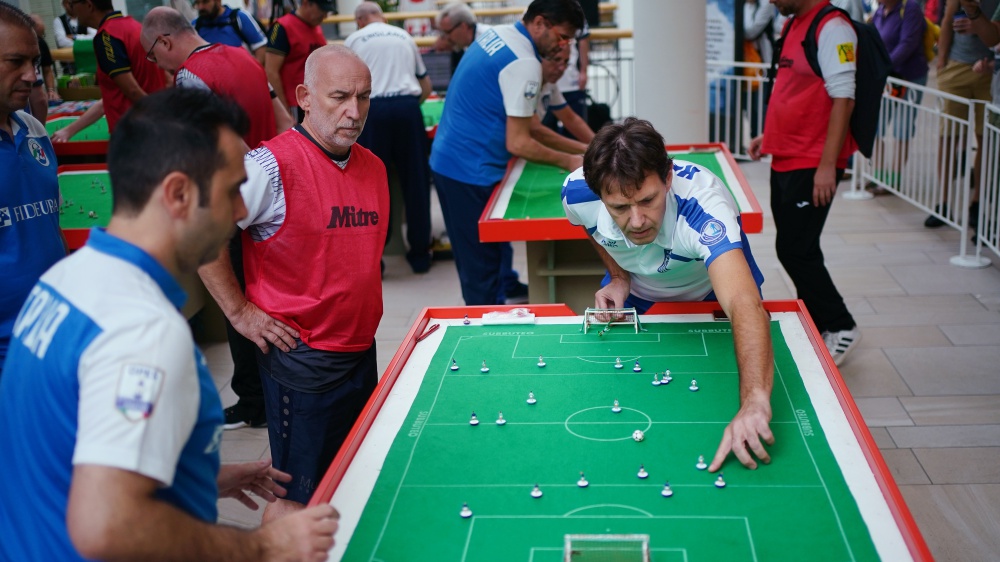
<point x="395" y="131"/>
<point x="312" y="242"/>
<point x="457" y="27"/>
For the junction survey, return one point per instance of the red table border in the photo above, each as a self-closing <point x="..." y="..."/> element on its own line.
<point x="509" y="230"/>
<point x="77" y="237"/>
<point x="894" y="498"/>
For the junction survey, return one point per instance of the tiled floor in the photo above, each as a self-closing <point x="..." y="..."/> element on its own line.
<point x="926" y="374"/>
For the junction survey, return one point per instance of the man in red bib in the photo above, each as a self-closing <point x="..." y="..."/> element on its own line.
<point x="289" y="43"/>
<point x="123" y="72"/>
<point x="807" y="137"/>
<point x="318" y="209"/>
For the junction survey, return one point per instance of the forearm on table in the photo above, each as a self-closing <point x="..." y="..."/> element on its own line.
<point x="754" y="352"/>
<point x="534" y="151"/>
<point x="551" y="139"/>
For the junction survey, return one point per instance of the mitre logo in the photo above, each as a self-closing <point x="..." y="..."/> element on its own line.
<point x="346" y="217"/>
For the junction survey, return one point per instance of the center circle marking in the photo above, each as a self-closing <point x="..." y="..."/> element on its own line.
<point x="626" y="437"/>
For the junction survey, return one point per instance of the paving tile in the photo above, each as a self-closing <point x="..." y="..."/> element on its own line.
<point x="882" y="438"/>
<point x="966" y="465"/>
<point x="952" y="410"/>
<point x="242" y="450"/>
<point x="944" y="279"/>
<point x="869" y="373"/>
<point x="947" y="371"/>
<point x="904" y="467"/>
<point x="902" y="336"/>
<point x="920" y="317"/>
<point x="925" y="303"/>
<point x="973" y="334"/>
<point x="234" y="513"/>
<point x="990" y="300"/>
<point x="883" y="412"/>
<point x="959" y="522"/>
<point x="941" y="436"/>
<point x="865" y="281"/>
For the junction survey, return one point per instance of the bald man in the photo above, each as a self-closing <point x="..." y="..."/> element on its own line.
<point x="317" y="210"/>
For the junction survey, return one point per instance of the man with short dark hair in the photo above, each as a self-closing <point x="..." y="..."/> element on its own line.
<point x="124" y="74"/>
<point x="30" y="239"/>
<point x="669" y="231"/>
<point x="289" y="42"/>
<point x="486" y="121"/>
<point x="312" y="243"/>
<point x="218" y="23"/>
<point x="110" y="406"/>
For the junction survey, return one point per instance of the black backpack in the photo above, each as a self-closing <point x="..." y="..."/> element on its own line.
<point x="872" y="70"/>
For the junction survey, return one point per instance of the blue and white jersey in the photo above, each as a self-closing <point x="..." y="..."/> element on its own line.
<point x="102" y="370"/>
<point x="551" y="99"/>
<point x="701" y="222"/>
<point x="499" y="76"/>
<point x="30" y="240"/>
<point x="233" y="27"/>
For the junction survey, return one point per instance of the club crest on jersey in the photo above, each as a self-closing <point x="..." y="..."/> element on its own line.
<point x="712" y="231"/>
<point x="138" y="390"/>
<point x="38" y="152"/>
<point x="531" y="90"/>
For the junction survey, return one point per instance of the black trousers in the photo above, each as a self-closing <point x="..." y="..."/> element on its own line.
<point x="246" y="377"/>
<point x="395" y="132"/>
<point x="799" y="225"/>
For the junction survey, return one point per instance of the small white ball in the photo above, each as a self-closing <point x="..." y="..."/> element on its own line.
<point x="638" y="435"/>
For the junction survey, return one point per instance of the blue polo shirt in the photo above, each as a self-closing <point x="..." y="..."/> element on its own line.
<point x="30" y="240"/>
<point x="500" y="75"/>
<point x="232" y="27"/>
<point x="102" y="370"/>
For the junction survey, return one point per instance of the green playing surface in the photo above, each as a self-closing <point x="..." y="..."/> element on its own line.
<point x="536" y="193"/>
<point x="79" y="193"/>
<point x="98" y="131"/>
<point x="797" y="508"/>
<point x="431" y="109"/>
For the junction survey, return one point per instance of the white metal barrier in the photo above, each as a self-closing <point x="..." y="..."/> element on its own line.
<point x="988" y="231"/>
<point x="925" y="156"/>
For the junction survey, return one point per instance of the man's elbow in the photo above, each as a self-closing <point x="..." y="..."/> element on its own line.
<point x="93" y="537"/>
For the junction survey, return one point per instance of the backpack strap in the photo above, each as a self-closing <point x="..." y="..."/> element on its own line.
<point x="810" y="45"/>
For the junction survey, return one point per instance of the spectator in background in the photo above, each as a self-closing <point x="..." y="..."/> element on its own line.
<point x="217" y="23"/>
<point x="235" y="73"/>
<point x="854" y="7"/>
<point x="44" y="90"/>
<point x="68" y="29"/>
<point x="759" y="31"/>
<point x="395" y="127"/>
<point x="289" y="42"/>
<point x="901" y="24"/>
<point x="989" y="33"/>
<point x="124" y="73"/>
<point x="457" y="29"/>
<point x="551" y="101"/>
<point x="958" y="50"/>
<point x="573" y="83"/>
<point x="29" y="244"/>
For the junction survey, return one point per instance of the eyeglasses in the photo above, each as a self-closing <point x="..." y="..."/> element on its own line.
<point x="447" y="32"/>
<point x="149" y="53"/>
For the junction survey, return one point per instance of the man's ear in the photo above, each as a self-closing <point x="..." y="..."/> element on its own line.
<point x="302" y="97"/>
<point x="180" y="194"/>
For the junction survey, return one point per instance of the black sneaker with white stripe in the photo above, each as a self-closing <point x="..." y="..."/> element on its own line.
<point x="841" y="343"/>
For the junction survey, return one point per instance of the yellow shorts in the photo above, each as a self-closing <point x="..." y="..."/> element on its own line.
<point x="958" y="79"/>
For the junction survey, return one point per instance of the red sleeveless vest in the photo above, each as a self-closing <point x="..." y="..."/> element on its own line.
<point x="320" y="272"/>
<point x="799" y="111"/>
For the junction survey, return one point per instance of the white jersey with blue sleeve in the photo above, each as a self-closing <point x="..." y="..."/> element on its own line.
<point x="102" y="370"/>
<point x="499" y="76"/>
<point x="701" y="222"/>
